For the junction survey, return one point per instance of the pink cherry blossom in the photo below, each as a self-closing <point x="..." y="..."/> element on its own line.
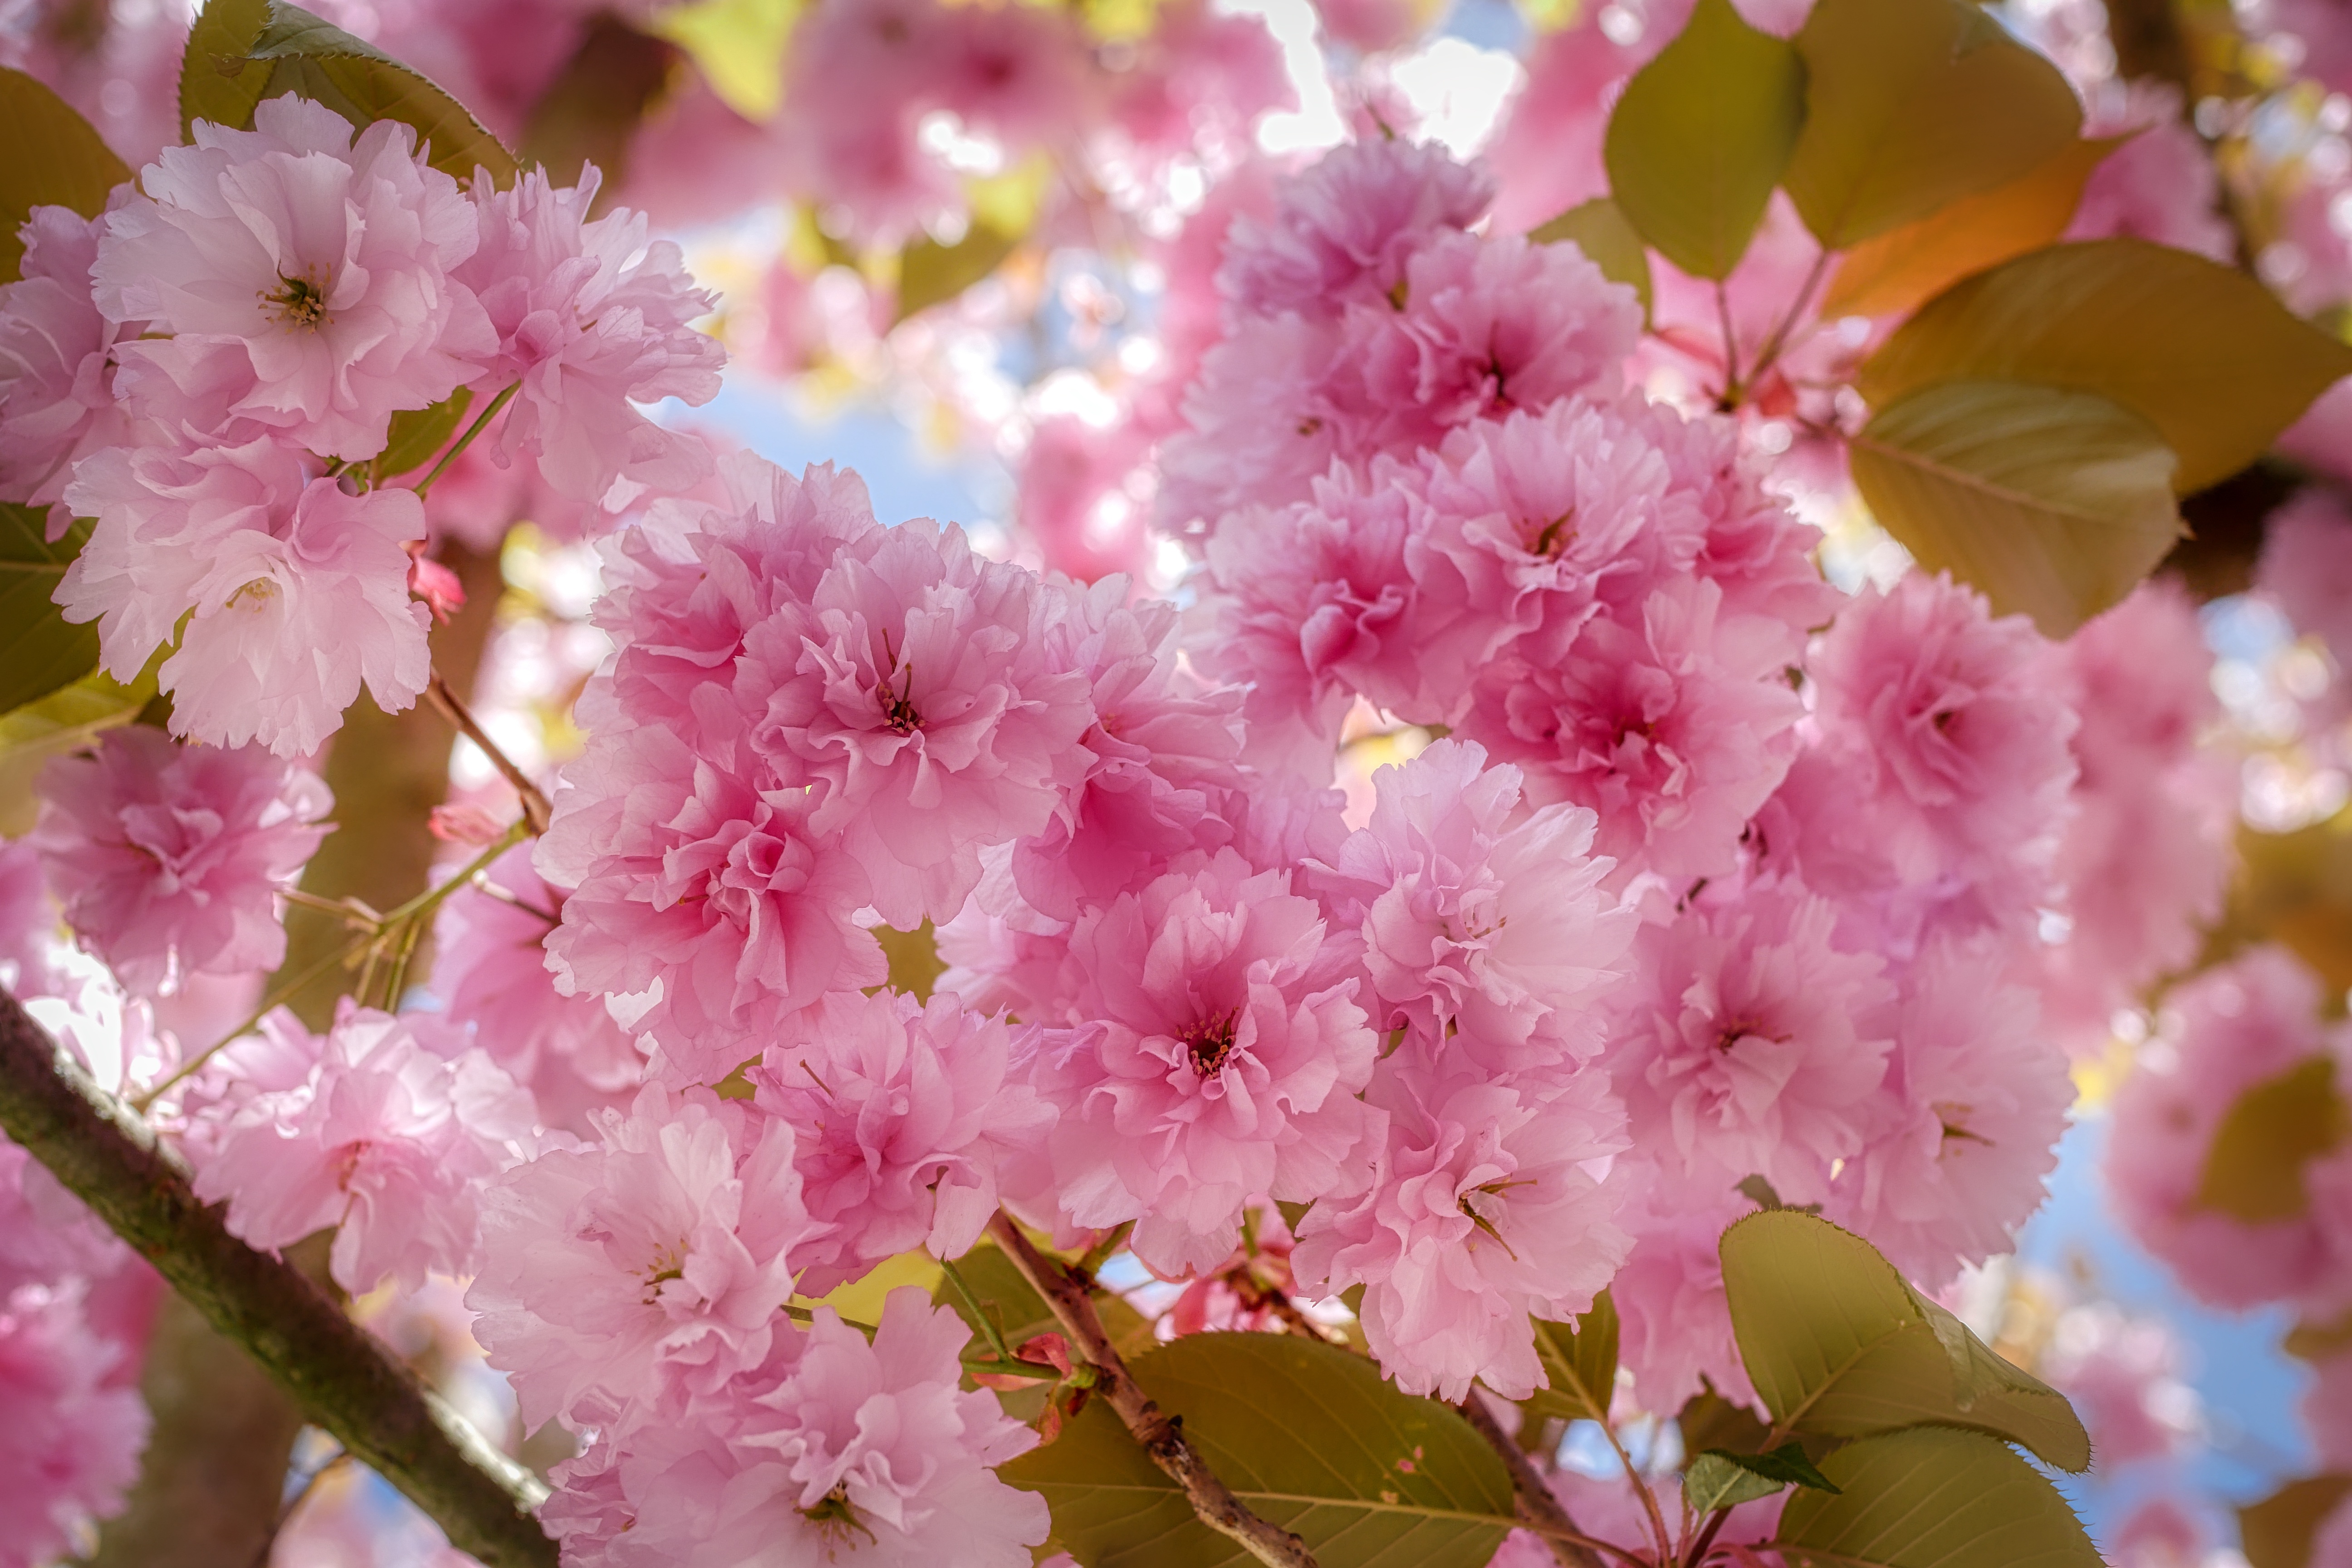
<point x="2306" y="567"/>
<point x="69" y="1450"/>
<point x="663" y="1253"/>
<point x="1211" y="1055"/>
<point x="916" y="691"/>
<point x="1746" y="1042"/>
<point x="57" y="395"/>
<point x="1976" y="1099"/>
<point x="1342" y="231"/>
<point x="489" y="968"/>
<point x="590" y="317"/>
<point x="706" y="895"/>
<point x="2122" y="1376"/>
<point x="1470" y="1205"/>
<point x="900" y="1110"/>
<point x="387" y="1140"/>
<point x="169" y="859"/>
<point x="328" y="260"/>
<point x="1476" y="916"/>
<point x="1676" y="1332"/>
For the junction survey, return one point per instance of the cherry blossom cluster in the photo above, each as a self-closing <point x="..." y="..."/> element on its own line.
<point x="214" y="370"/>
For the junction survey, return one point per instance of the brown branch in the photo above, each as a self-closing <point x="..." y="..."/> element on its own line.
<point x="1160" y="1435"/>
<point x="349" y="1385"/>
<point x="535" y="808"/>
<point x="1531" y="1499"/>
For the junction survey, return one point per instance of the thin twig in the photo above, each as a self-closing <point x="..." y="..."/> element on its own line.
<point x="1160" y="1434"/>
<point x="344" y="1379"/>
<point x="1730" y="398"/>
<point x="535" y="809"/>
<point x="1531" y="1498"/>
<point x="1769" y="354"/>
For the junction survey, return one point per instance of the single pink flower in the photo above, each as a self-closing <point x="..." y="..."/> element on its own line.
<point x="57" y="394"/>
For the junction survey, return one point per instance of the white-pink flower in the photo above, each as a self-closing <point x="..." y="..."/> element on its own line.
<point x="387" y="1140"/>
<point x="57" y="394"/>
<point x="169" y="859"/>
<point x="590" y="317"/>
<point x="327" y="261"/>
<point x="1471" y="1206"/>
<point x="1477" y="916"/>
<point x="665" y="1253"/>
<point x="900" y="1111"/>
<point x="1213" y="1056"/>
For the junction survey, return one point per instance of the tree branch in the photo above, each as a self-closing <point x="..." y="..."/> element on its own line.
<point x="1162" y="1436"/>
<point x="1531" y="1499"/>
<point x="347" y="1383"/>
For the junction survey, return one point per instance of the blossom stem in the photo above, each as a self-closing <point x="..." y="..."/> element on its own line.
<point x="989" y="1330"/>
<point x="535" y="808"/>
<point x="1160" y="1437"/>
<point x="1769" y="353"/>
<point x="350" y="1387"/>
<point x="1531" y="1499"/>
<point x="466" y="440"/>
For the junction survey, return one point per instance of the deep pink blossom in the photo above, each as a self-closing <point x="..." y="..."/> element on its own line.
<point x="1342" y="231"/>
<point x="900" y="1113"/>
<point x="56" y="395"/>
<point x="590" y="317"/>
<point x="169" y="859"/>
<point x="1211" y="1055"/>
<point x="327" y="261"/>
<point x="665" y="1252"/>
<point x="1470" y="1205"/>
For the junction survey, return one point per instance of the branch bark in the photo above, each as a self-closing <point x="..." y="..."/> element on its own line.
<point x="344" y="1380"/>
<point x="1531" y="1499"/>
<point x="1162" y="1434"/>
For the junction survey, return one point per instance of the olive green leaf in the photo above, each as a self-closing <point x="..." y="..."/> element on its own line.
<point x="312" y="56"/>
<point x="40" y="651"/>
<point x="65" y="720"/>
<point x="2255" y="1169"/>
<point x="2276" y="1533"/>
<point x="1306" y="1435"/>
<point x="55" y="158"/>
<point x="1720" y="1477"/>
<point x="1838" y="1345"/>
<point x="2203" y="352"/>
<point x="1910" y="104"/>
<point x="219" y="81"/>
<point x="1933" y="1498"/>
<point x="419" y="433"/>
<point x="590" y="113"/>
<point x="914" y="957"/>
<point x="1581" y="1361"/>
<point x="1701" y="136"/>
<point x="1598" y="228"/>
<point x="931" y="274"/>
<point x="2054" y="503"/>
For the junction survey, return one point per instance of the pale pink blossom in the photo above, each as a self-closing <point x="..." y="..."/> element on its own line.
<point x="169" y="859"/>
<point x="386" y="1140"/>
<point x="1470" y="1205"/>
<point x="299" y="589"/>
<point x="1676" y="1332"/>
<point x="590" y="317"/>
<point x="2306" y="567"/>
<point x="1259" y="426"/>
<point x="489" y="968"/>
<point x="1747" y="1044"/>
<point x="56" y="395"/>
<point x="69" y="1448"/>
<point x="328" y="260"/>
<point x="705" y="895"/>
<point x="2327" y="1411"/>
<point x="1343" y="228"/>
<point x="1475" y="916"/>
<point x="899" y="1111"/>
<point x="2122" y="1376"/>
<point x="1975" y="1099"/>
<point x="915" y="691"/>
<point x="2161" y="184"/>
<point x="1211" y="1055"/>
<point x="664" y="1253"/>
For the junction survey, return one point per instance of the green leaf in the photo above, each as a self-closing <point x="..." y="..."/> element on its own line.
<point x="1701" y="136"/>
<point x="65" y="720"/>
<point x="39" y="650"/>
<point x="914" y="963"/>
<point x="2254" y="1169"/>
<point x="1023" y="1314"/>
<point x="590" y="111"/>
<point x="2054" y="503"/>
<point x="2203" y="352"/>
<point x="1720" y="1477"/>
<point x="319" y="61"/>
<point x="55" y="159"/>
<point x="1910" y="104"/>
<point x="738" y="46"/>
<point x="1308" y="1435"/>
<point x="1933" y="1498"/>
<point x="1598" y="228"/>
<point x="218" y="81"/>
<point x="1708" y="1420"/>
<point x="1837" y="1344"/>
<point x="931" y="274"/>
<point x="419" y="433"/>
<point x="1580" y="1360"/>
<point x="2276" y="1533"/>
